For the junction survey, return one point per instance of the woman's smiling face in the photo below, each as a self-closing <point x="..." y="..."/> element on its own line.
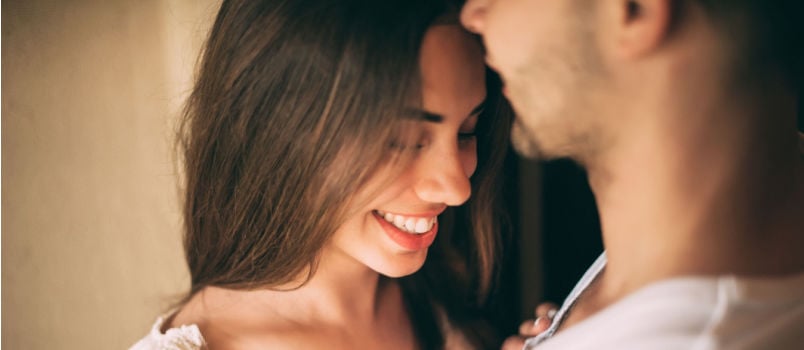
<point x="392" y="233"/>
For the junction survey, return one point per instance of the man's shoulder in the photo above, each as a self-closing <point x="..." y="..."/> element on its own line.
<point x="695" y="312"/>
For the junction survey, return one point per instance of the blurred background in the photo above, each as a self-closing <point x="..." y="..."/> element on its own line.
<point x="91" y="248"/>
<point x="91" y="227"/>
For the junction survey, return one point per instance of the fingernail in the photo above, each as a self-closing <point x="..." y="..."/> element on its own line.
<point x="552" y="313"/>
<point x="537" y="320"/>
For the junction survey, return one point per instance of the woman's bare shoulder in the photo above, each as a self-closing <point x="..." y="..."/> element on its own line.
<point x="238" y="322"/>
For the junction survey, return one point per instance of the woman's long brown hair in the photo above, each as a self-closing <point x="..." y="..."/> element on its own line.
<point x="293" y="108"/>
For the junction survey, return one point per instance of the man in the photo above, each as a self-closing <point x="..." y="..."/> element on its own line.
<point x="683" y="113"/>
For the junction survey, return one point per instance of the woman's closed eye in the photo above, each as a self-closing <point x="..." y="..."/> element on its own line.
<point x="406" y="146"/>
<point x="468" y="136"/>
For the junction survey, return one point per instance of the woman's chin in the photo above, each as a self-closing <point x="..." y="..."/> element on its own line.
<point x="402" y="266"/>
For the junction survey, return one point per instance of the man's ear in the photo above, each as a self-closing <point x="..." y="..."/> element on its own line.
<point x="641" y="26"/>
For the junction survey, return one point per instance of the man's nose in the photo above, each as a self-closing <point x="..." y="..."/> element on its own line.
<point x="473" y="15"/>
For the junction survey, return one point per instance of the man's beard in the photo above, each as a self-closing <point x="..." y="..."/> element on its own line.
<point x="523" y="141"/>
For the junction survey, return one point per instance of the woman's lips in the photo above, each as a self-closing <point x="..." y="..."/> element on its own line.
<point x="406" y="240"/>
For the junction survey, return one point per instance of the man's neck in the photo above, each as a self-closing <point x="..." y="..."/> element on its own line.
<point x="701" y="194"/>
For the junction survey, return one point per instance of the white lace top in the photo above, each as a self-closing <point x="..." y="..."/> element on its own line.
<point x="187" y="337"/>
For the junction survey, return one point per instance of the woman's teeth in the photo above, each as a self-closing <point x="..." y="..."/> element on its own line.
<point x="409" y="224"/>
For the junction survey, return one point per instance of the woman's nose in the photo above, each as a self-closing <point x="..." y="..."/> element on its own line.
<point x="444" y="178"/>
<point x="473" y="15"/>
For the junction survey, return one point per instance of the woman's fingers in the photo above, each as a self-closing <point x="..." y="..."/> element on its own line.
<point x="532" y="328"/>
<point x="546" y="310"/>
<point x="544" y="317"/>
<point x="513" y="343"/>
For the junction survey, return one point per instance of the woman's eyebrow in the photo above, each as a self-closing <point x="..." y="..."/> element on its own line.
<point x="436" y="118"/>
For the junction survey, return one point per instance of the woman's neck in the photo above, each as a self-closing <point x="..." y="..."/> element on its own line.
<point x="344" y="290"/>
<point x="341" y="293"/>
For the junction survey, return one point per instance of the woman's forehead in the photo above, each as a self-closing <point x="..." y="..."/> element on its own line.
<point x="452" y="71"/>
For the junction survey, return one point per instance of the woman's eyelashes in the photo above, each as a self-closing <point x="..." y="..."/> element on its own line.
<point x="467" y="133"/>
<point x="466" y="138"/>
<point x="400" y="144"/>
<point x="397" y="145"/>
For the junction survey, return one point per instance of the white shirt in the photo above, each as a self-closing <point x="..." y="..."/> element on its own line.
<point x="722" y="312"/>
<point x="187" y="337"/>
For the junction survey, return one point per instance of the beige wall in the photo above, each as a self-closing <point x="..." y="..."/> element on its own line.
<point x="91" y="248"/>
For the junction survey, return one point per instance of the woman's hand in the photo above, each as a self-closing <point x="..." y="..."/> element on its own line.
<point x="531" y="328"/>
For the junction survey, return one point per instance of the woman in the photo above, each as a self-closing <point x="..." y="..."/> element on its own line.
<point x="326" y="144"/>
